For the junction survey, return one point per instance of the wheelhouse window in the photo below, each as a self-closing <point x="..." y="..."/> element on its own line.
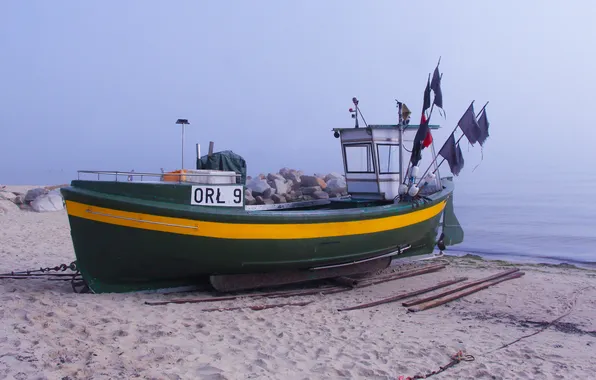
<point x="388" y="155"/>
<point x="359" y="158"/>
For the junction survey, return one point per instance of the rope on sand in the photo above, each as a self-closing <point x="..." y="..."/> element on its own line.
<point x="570" y="305"/>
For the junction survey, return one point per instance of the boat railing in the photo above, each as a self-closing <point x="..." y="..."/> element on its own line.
<point x="132" y="176"/>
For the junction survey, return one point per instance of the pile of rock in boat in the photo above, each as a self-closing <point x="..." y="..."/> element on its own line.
<point x="289" y="185"/>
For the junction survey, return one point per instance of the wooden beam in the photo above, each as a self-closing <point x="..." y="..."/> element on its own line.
<point x="405" y="295"/>
<point x="291" y="293"/>
<point x="470" y="284"/>
<point x="259" y="307"/>
<point x="444" y="300"/>
<point x="296" y="293"/>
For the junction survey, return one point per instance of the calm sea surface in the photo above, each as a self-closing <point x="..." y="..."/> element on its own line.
<point x="550" y="218"/>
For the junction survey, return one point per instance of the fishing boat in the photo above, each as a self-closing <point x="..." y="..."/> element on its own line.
<point x="182" y="228"/>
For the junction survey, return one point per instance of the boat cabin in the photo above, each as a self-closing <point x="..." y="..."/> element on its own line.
<point x="376" y="159"/>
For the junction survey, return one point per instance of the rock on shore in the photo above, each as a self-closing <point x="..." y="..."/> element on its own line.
<point x="289" y="185"/>
<point x="39" y="199"/>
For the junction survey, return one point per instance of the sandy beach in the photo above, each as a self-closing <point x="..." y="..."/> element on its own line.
<point x="50" y="332"/>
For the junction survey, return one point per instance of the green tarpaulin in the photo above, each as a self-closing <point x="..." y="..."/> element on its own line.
<point x="224" y="160"/>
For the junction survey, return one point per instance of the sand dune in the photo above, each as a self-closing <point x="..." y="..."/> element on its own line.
<point x="48" y="331"/>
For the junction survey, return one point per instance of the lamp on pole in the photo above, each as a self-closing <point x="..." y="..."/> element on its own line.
<point x="183" y="122"/>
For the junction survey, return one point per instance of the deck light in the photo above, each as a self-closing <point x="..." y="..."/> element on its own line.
<point x="183" y="122"/>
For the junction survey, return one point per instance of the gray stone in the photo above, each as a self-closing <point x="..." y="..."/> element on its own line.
<point x="249" y="199"/>
<point x="259" y="187"/>
<point x="308" y="181"/>
<point x="320" y="195"/>
<point x="51" y="201"/>
<point x="294" y="185"/>
<point x="284" y="172"/>
<point x="292" y="175"/>
<point x="19" y="199"/>
<point x="281" y="186"/>
<point x="333" y="175"/>
<point x="34" y="193"/>
<point x="336" y="185"/>
<point x="310" y="190"/>
<point x="278" y="198"/>
<point x="7" y="195"/>
<point x="272" y="177"/>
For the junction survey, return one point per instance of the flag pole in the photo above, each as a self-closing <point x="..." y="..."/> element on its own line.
<point x="358" y="108"/>
<point x="428" y="121"/>
<point x="457" y="142"/>
<point x="399" y="121"/>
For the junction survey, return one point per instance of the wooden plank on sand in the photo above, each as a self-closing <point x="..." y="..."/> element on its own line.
<point x="405" y="295"/>
<point x="322" y="291"/>
<point x="444" y="300"/>
<point x="470" y="284"/>
<point x="259" y="307"/>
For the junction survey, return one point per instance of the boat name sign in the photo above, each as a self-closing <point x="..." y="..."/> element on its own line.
<point x="213" y="195"/>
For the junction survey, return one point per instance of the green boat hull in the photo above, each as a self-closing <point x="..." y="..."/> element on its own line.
<point x="143" y="236"/>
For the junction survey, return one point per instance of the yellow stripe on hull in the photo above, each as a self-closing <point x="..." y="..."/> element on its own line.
<point x="249" y="231"/>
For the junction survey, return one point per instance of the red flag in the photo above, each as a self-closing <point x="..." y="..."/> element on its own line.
<point x="428" y="139"/>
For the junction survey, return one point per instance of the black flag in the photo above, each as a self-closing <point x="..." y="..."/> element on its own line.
<point x="483" y="125"/>
<point x="418" y="139"/>
<point x="426" y="103"/>
<point x="452" y="154"/>
<point x="423" y="128"/>
<point x="435" y="85"/>
<point x="469" y="125"/>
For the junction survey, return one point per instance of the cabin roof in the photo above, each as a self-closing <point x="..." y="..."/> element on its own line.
<point x="408" y="127"/>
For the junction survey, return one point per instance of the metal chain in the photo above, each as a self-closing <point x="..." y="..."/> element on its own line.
<point x="58" y="268"/>
<point x="62" y="267"/>
<point x="79" y="285"/>
<point x="458" y="357"/>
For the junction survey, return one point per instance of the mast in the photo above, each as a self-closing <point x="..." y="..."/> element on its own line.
<point x="401" y="133"/>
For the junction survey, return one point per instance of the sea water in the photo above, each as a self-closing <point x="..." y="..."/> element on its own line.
<point x="549" y="217"/>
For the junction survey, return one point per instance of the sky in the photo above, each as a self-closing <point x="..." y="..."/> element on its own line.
<point x="99" y="85"/>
